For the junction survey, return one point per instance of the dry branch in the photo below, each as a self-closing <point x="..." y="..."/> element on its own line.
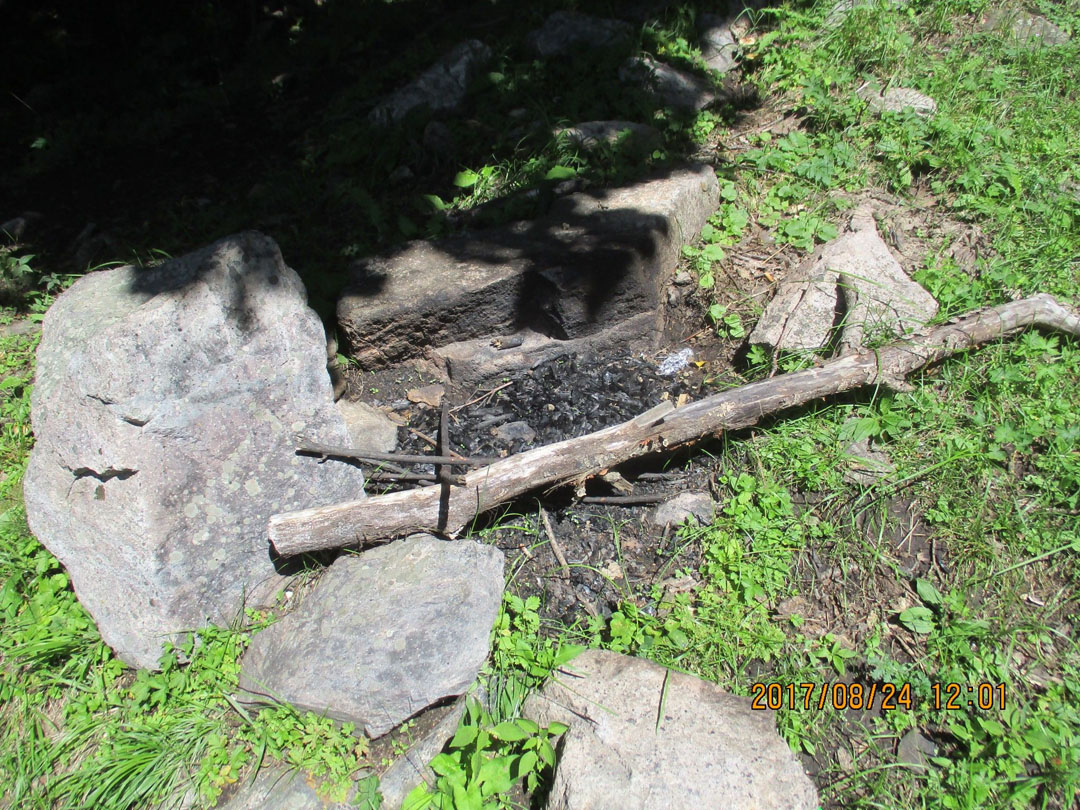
<point x="661" y="429"/>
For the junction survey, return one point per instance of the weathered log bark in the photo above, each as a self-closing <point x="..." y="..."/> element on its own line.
<point x="660" y="429"/>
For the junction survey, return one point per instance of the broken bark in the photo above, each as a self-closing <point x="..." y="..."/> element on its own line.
<point x="660" y="429"/>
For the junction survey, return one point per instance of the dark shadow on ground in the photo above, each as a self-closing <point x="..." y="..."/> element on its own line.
<point x="169" y="127"/>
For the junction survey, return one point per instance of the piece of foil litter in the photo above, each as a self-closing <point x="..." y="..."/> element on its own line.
<point x="674" y="362"/>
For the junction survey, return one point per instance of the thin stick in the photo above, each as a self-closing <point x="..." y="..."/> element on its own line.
<point x="370" y="520"/>
<point x="623" y="500"/>
<point x="310" y="449"/>
<point x="556" y="548"/>
<point x="484" y="395"/>
<point x="457" y="480"/>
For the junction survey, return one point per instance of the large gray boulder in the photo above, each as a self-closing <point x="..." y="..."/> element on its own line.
<point x="596" y="259"/>
<point x="709" y="748"/>
<point x="384" y="635"/>
<point x="165" y="410"/>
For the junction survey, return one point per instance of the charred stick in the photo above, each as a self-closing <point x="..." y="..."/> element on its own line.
<point x="370" y="520"/>
<point x="623" y="500"/>
<point x="371" y="456"/>
<point x="556" y="547"/>
<point x="424" y="478"/>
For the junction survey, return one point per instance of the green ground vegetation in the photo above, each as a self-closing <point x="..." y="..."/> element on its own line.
<point x="794" y="587"/>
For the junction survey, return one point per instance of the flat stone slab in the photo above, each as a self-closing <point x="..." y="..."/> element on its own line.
<point x="594" y="260"/>
<point x="898" y="99"/>
<point x="166" y="408"/>
<point x="880" y="301"/>
<point x="440" y="88"/>
<point x="800" y="316"/>
<point x="685" y="505"/>
<point x="369" y="428"/>
<point x="675" y="88"/>
<point x="854" y="278"/>
<point x="384" y="635"/>
<point x="710" y="749"/>
<point x="589" y="135"/>
<point x="1031" y="30"/>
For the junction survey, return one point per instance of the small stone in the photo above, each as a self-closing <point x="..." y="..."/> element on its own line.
<point x="915" y="750"/>
<point x="867" y="466"/>
<point x="683" y="279"/>
<point x="686" y="505"/>
<point x="430" y="395"/>
<point x="515" y="432"/>
<point x="13" y="229"/>
<point x="674" y="298"/>
<point x="898" y="99"/>
<point x="844" y="759"/>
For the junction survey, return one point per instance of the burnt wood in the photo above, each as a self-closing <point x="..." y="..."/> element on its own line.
<point x="661" y="429"/>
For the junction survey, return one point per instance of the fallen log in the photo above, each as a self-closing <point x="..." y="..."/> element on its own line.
<point x="660" y="429"/>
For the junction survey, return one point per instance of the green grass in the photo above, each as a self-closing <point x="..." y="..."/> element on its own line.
<point x="796" y="585"/>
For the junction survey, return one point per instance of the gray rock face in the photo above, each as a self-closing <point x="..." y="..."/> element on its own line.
<point x="800" y="316"/>
<point x="709" y="750"/>
<point x="279" y="788"/>
<point x="165" y="410"/>
<point x="638" y="138"/>
<point x="595" y="260"/>
<point x="898" y="99"/>
<point x="566" y="31"/>
<point x="440" y="87"/>
<point x="412" y="767"/>
<point x="675" y="88"/>
<point x="879" y="298"/>
<point x="385" y="634"/>
<point x="719" y="41"/>
<point x="855" y="273"/>
<point x="1029" y="29"/>
<point x="369" y="428"/>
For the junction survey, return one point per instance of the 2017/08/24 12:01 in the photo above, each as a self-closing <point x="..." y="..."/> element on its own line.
<point x="892" y="696"/>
